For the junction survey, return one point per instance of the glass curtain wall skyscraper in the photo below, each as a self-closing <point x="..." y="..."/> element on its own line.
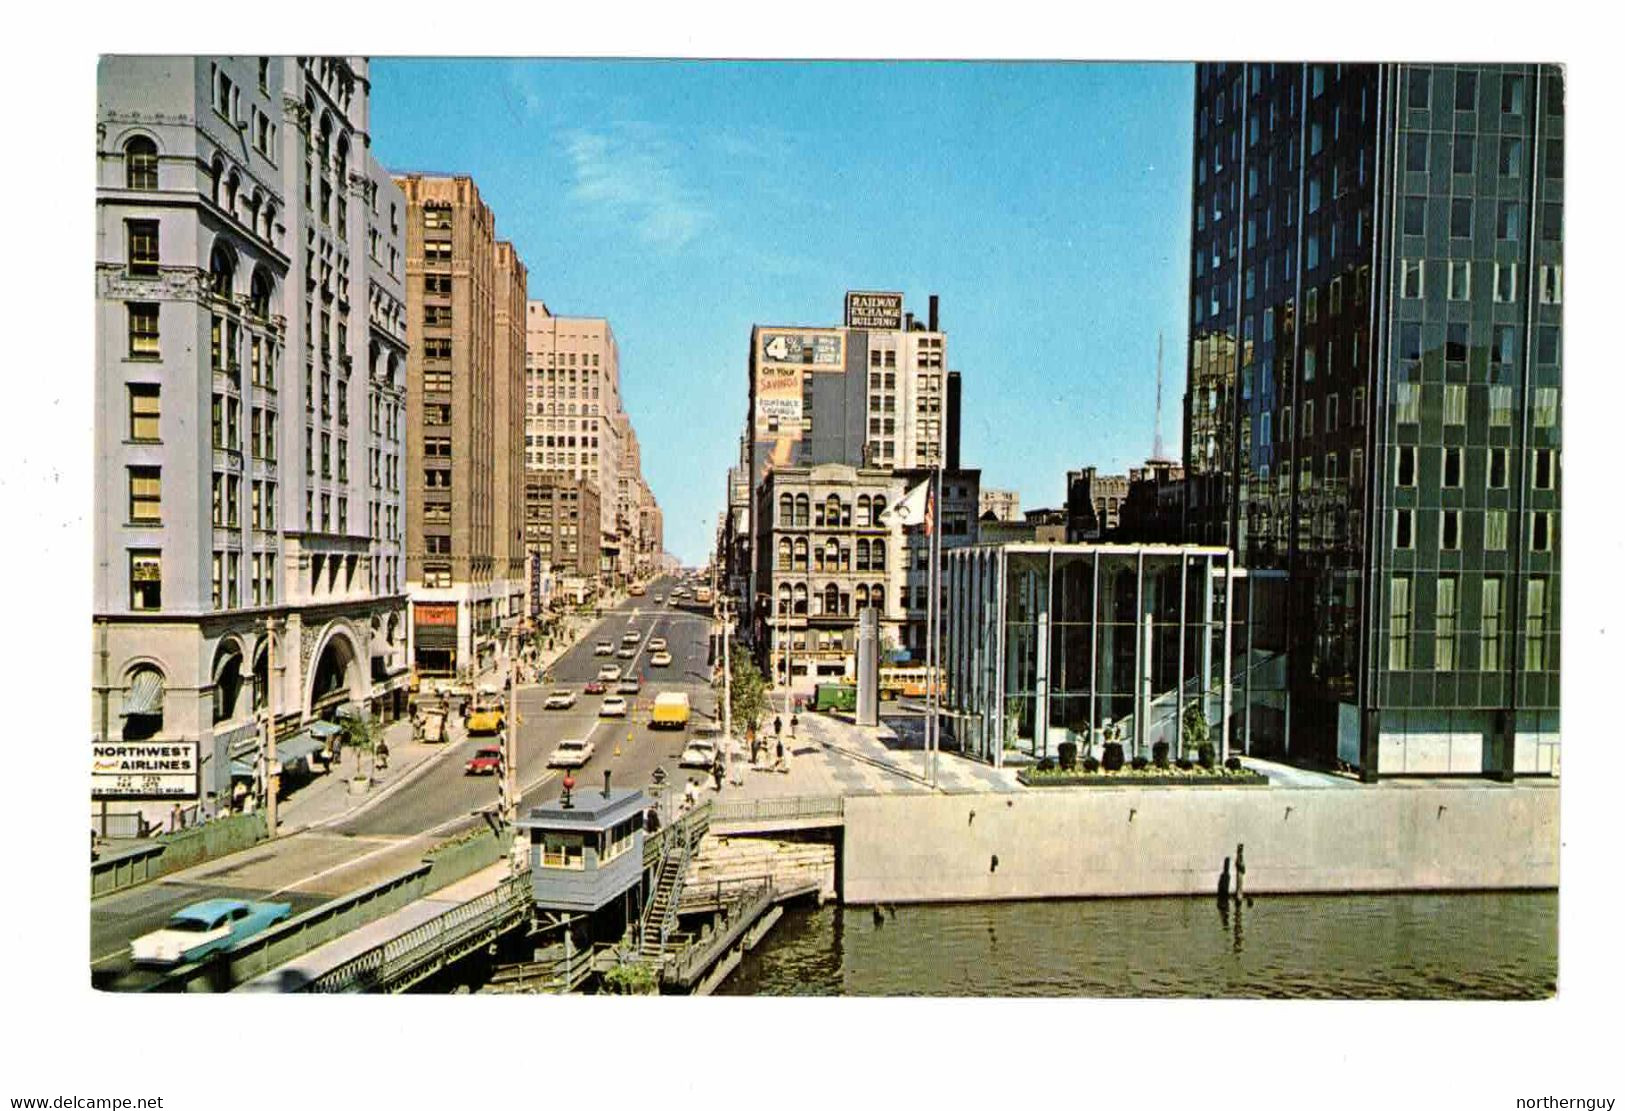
<point x="1373" y="399"/>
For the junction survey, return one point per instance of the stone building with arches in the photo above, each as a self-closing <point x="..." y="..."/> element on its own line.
<point x="250" y="384"/>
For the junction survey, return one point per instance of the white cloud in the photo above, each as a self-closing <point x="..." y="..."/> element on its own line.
<point x="629" y="173"/>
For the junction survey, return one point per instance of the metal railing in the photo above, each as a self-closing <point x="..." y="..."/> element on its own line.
<point x="779" y="809"/>
<point x="399" y="963"/>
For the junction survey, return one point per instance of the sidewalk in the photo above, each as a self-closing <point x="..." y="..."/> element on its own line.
<point x="327" y="799"/>
<point x="829" y="756"/>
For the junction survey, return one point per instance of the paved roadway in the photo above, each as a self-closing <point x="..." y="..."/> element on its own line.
<point x="321" y="863"/>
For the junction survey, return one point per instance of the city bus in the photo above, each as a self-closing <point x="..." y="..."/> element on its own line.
<point x="908" y="682"/>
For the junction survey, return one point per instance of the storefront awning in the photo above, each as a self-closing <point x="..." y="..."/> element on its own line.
<point x="351" y="710"/>
<point x="145" y="696"/>
<point x="324" y="729"/>
<point x="295" y="748"/>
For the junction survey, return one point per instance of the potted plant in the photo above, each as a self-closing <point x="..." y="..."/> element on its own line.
<point x="1194" y="730"/>
<point x="1111" y="748"/>
<point x="1159" y="754"/>
<point x="1067" y="754"/>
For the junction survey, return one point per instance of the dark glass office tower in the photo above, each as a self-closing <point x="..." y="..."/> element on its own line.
<point x="1373" y="407"/>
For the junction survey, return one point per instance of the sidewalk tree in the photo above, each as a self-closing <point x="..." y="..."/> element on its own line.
<point x="750" y="699"/>
<point x="363" y="734"/>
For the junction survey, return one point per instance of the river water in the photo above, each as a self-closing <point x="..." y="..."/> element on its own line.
<point x="1405" y="946"/>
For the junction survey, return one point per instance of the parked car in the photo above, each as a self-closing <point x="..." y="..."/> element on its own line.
<point x="594" y="687"/>
<point x="609" y="673"/>
<point x="699" y="753"/>
<point x="661" y="659"/>
<point x="657" y="644"/>
<point x="659" y="600"/>
<point x="571" y="754"/>
<point x="612" y="707"/>
<point x="629" y="685"/>
<point x="560" y="700"/>
<point x="195" y="931"/>
<point x="603" y="648"/>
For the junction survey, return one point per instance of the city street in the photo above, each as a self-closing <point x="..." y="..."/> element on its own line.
<point x="352" y="852"/>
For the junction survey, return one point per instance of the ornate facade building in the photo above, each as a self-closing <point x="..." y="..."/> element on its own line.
<point x="249" y="390"/>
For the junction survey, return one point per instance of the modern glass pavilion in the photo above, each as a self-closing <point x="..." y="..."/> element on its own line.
<point x="1045" y="643"/>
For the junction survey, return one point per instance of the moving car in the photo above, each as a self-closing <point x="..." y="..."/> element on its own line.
<point x="484" y="722"/>
<point x="560" y="700"/>
<point x="700" y="753"/>
<point x="594" y="687"/>
<point x="195" y="931"/>
<point x="612" y="707"/>
<point x="659" y="600"/>
<point x="626" y="652"/>
<point x="631" y="636"/>
<point x="670" y="711"/>
<point x="603" y="648"/>
<point x="609" y="673"/>
<point x="571" y="754"/>
<point x="661" y="659"/>
<point x="657" y="644"/>
<point x="630" y="685"/>
<point x="485" y="761"/>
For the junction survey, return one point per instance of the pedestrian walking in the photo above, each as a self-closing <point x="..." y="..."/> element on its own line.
<point x="781" y="751"/>
<point x="175" y="819"/>
<point x="795" y="717"/>
<point x="717" y="773"/>
<point x="778" y="725"/>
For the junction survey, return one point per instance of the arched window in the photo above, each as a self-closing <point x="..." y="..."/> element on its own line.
<point x="784" y="553"/>
<point x="228" y="681"/>
<point x="784" y="598"/>
<point x="217" y="177"/>
<point x="254" y="203"/>
<point x="877" y="556"/>
<point x="143" y="709"/>
<point x="832" y="599"/>
<point x="267" y="230"/>
<point x="801" y="553"/>
<point x="878" y="508"/>
<point x="222" y="270"/>
<point x="233" y="182"/>
<point x="832" y="553"/>
<point x="861" y="597"/>
<point x="802" y="509"/>
<point x="260" y="295"/>
<point x="324" y="136"/>
<point x="787" y="510"/>
<point x="877" y="597"/>
<point x="832" y="510"/>
<point x="800" y="592"/>
<point x="863" y="511"/>
<point x="863" y="549"/>
<point x="141" y="163"/>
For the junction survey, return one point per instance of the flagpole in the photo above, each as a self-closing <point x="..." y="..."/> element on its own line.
<point x="933" y="649"/>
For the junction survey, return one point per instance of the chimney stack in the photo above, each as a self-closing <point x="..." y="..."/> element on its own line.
<point x="606" y="783"/>
<point x="908" y="322"/>
<point x="932" y="327"/>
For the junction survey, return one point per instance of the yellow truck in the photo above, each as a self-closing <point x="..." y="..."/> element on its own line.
<point x="670" y="711"/>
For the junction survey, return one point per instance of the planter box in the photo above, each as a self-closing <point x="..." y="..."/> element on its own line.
<point x="1130" y="779"/>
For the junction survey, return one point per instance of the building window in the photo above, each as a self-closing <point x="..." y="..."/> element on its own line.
<point x="1416" y="85"/>
<point x="1407" y="402"/>
<point x="146" y="580"/>
<point x="1404" y="529"/>
<point x="1461" y="158"/>
<point x="1489" y="635"/>
<point x="1540" y="531"/>
<point x="141" y="163"/>
<point x="1545" y="406"/>
<point x="143" y="320"/>
<point x="1508" y="221"/>
<point x="217" y="580"/>
<point x="1444" y="625"/>
<point x="1534" y="632"/>
<point x="143" y="412"/>
<point x="1497" y="468"/>
<point x="1461" y="283"/>
<point x="1455" y="404"/>
<point x="1466" y="90"/>
<point x="1455" y="342"/>
<point x="145" y="500"/>
<point x="141" y="247"/>
<point x="1551" y="285"/>
<point x="1512" y="95"/>
<point x="1495" y="530"/>
<point x="1452" y="468"/>
<point x="1450" y="530"/>
<point x="1399" y="623"/>
<point x="1411" y="279"/>
<point x="1506" y="282"/>
<point x="1543" y="468"/>
<point x="1500" y="406"/>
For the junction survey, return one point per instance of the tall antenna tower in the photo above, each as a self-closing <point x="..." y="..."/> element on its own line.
<point x="1156" y="439"/>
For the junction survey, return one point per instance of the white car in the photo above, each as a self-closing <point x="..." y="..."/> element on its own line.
<point x="603" y="648"/>
<point x="661" y="659"/>
<point x="609" y="673"/>
<point x="700" y="753"/>
<point x="612" y="707"/>
<point x="626" y="652"/>
<point x="657" y="644"/>
<point x="560" y="700"/>
<point x="659" y="600"/>
<point x="631" y="636"/>
<point x="571" y="754"/>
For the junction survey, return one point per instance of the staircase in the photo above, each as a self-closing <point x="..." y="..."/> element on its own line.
<point x="660" y="915"/>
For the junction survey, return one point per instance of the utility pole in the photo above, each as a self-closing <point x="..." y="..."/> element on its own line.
<point x="510" y="731"/>
<point x="272" y="776"/>
<point x="727" y="679"/>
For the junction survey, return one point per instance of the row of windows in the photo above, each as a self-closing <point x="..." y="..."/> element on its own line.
<point x="832" y="512"/>
<point x="832" y="555"/>
<point x="1541" y="530"/>
<point x="1492" y="630"/>
<point x="832" y="601"/>
<point x="1542" y="472"/>
<point x="1464" y="151"/>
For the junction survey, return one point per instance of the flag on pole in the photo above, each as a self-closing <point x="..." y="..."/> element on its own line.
<point x="930" y="510"/>
<point x="913" y="509"/>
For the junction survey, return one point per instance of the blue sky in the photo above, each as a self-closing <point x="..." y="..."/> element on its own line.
<point x="1047" y="204"/>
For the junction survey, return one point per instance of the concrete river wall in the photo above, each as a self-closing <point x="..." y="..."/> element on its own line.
<point x="1059" y="843"/>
